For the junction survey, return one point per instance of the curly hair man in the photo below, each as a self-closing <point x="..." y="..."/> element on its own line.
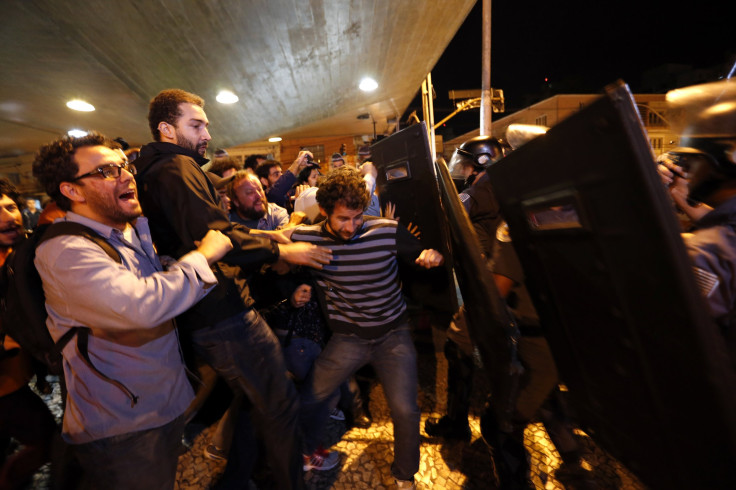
<point x="366" y="310"/>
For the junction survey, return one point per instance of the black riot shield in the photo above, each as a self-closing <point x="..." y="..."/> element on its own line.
<point x="491" y="327"/>
<point x="648" y="371"/>
<point x="407" y="179"/>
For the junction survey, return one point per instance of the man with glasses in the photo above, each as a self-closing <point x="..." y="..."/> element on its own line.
<point x="125" y="429"/>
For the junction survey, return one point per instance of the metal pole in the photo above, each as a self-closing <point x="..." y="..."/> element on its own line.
<point x="486" y="91"/>
<point x="430" y="122"/>
<point x="428" y="109"/>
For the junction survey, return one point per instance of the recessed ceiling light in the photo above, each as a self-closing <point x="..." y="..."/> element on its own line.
<point x="76" y="133"/>
<point x="80" y="105"/>
<point x="367" y="84"/>
<point x="274" y="139"/>
<point x="226" y="97"/>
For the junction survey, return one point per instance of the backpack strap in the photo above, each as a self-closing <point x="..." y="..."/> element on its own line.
<point x="77" y="229"/>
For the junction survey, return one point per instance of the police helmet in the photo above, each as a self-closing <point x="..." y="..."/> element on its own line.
<point x="520" y="134"/>
<point x="705" y="117"/>
<point x="479" y="152"/>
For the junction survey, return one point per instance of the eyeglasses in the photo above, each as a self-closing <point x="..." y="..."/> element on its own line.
<point x="109" y="171"/>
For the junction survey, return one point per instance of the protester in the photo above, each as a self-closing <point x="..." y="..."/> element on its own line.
<point x="23" y="415"/>
<point x="125" y="427"/>
<point x="366" y="312"/>
<point x="223" y="329"/>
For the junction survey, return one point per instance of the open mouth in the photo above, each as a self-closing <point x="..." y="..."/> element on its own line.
<point x="127" y="195"/>
<point x="10" y="232"/>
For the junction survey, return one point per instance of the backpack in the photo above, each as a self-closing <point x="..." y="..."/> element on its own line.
<point x="23" y="303"/>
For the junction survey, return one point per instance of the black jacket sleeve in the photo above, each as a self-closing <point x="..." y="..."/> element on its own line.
<point x="187" y="202"/>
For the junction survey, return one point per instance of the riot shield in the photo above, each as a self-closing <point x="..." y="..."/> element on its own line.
<point x="648" y="371"/>
<point x="407" y="179"/>
<point x="490" y="325"/>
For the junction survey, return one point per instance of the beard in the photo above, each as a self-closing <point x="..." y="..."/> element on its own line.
<point x="188" y="144"/>
<point x="111" y="210"/>
<point x="249" y="213"/>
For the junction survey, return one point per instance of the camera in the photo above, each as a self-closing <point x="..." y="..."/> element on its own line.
<point x="311" y="162"/>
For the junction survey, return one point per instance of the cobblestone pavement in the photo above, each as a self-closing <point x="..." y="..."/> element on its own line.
<point x="366" y="454"/>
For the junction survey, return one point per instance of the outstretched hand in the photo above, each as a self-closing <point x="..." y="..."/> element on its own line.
<point x="278" y="236"/>
<point x="214" y="246"/>
<point x="303" y="253"/>
<point x="430" y="258"/>
<point x="390" y="211"/>
<point x="300" y="162"/>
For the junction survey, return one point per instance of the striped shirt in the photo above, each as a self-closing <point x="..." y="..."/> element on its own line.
<point x="360" y="289"/>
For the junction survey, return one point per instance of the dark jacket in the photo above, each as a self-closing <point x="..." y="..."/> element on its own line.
<point x="483" y="211"/>
<point x="181" y="205"/>
<point x="279" y="192"/>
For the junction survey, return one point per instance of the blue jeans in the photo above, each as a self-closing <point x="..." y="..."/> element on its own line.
<point x="245" y="353"/>
<point x="395" y="361"/>
<point x="145" y="459"/>
<point x="300" y="355"/>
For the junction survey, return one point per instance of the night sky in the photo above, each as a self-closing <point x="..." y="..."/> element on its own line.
<point x="579" y="47"/>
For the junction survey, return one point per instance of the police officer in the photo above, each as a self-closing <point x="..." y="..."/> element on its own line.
<point x="706" y="120"/>
<point x="469" y="163"/>
<point x="539" y="381"/>
<point x="539" y="395"/>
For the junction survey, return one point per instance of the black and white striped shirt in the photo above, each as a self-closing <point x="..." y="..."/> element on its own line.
<point x="360" y="289"/>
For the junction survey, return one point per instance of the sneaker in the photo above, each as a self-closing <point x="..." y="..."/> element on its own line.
<point x="336" y="414"/>
<point x="321" y="460"/>
<point x="215" y="453"/>
<point x="406" y="484"/>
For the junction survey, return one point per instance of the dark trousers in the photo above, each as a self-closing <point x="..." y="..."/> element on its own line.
<point x="144" y="460"/>
<point x="244" y="351"/>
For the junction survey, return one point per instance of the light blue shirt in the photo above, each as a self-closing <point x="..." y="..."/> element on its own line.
<point x="129" y="308"/>
<point x="275" y="218"/>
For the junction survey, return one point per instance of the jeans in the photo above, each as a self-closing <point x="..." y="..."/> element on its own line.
<point x="395" y="361"/>
<point x="146" y="459"/>
<point x="245" y="353"/>
<point x="300" y="355"/>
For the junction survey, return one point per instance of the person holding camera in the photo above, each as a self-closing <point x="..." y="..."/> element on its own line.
<point x="276" y="182"/>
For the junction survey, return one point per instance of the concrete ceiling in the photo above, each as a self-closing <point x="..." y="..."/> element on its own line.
<point x="295" y="64"/>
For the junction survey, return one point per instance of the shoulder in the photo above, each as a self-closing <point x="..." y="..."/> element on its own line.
<point x="718" y="240"/>
<point x="276" y="209"/>
<point x="376" y="222"/>
<point x="379" y="226"/>
<point x="69" y="253"/>
<point x="307" y="233"/>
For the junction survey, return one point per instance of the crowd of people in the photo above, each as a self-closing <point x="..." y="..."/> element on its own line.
<point x="284" y="284"/>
